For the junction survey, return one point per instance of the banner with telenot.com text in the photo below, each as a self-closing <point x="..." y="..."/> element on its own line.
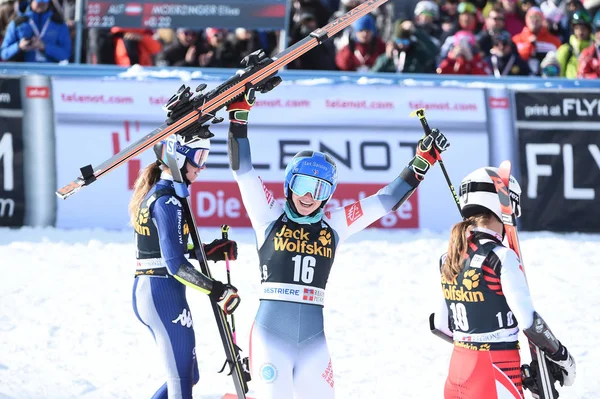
<point x="96" y="119"/>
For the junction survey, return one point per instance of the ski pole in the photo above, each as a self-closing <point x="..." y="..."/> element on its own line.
<point x="427" y="130"/>
<point x="225" y="236"/>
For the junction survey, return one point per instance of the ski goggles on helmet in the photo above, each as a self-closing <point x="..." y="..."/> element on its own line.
<point x="196" y="156"/>
<point x="551" y="70"/>
<point x="319" y="189"/>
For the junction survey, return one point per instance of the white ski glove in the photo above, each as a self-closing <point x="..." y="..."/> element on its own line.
<point x="565" y="361"/>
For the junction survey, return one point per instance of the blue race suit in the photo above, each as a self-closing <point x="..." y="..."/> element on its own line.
<point x="159" y="300"/>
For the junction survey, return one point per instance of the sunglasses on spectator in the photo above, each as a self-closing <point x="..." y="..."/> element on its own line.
<point x="467" y="8"/>
<point x="497" y="18"/>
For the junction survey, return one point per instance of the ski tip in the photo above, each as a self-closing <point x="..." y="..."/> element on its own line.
<point x="504" y="171"/>
<point x="233" y="396"/>
<point x="505" y="165"/>
<point x="69" y="189"/>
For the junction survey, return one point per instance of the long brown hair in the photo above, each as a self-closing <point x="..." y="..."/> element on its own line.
<point x="146" y="179"/>
<point x="457" y="246"/>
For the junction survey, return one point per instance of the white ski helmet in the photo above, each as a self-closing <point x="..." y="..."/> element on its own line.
<point x="193" y="148"/>
<point x="477" y="193"/>
<point x="427" y="6"/>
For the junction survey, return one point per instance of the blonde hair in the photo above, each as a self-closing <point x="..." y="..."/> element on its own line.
<point x="146" y="179"/>
<point x="457" y="246"/>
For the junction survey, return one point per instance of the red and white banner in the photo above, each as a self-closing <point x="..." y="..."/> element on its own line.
<point x="322" y="105"/>
<point x="366" y="161"/>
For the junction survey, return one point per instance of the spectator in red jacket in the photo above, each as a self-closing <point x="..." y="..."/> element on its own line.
<point x="363" y="49"/>
<point x="135" y="46"/>
<point x="464" y="58"/>
<point x="534" y="41"/>
<point x="589" y="59"/>
<point x="513" y="19"/>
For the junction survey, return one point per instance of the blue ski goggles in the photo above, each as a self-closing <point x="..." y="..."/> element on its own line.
<point x="196" y="156"/>
<point x="319" y="189"/>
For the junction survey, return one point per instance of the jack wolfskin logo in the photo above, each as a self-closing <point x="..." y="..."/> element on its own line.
<point x="325" y="237"/>
<point x="185" y="318"/>
<point x="470" y="279"/>
<point x="140" y="222"/>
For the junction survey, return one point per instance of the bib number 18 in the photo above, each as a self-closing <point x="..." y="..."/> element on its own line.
<point x="304" y="268"/>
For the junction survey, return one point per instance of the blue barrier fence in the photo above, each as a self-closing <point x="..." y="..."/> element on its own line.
<point x="315" y="77"/>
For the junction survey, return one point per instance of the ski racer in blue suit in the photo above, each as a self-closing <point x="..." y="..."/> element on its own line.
<point x="37" y="35"/>
<point x="297" y="242"/>
<point x="163" y="269"/>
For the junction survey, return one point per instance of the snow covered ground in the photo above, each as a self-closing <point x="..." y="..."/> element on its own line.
<point x="67" y="328"/>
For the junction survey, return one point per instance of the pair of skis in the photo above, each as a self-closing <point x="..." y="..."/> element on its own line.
<point x="238" y="366"/>
<point x="187" y="112"/>
<point x="539" y="376"/>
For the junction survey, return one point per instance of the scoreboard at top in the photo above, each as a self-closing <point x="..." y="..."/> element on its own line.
<point x="192" y="14"/>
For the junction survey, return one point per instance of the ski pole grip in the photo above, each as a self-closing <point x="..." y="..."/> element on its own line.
<point x="225" y="232"/>
<point x="421" y="114"/>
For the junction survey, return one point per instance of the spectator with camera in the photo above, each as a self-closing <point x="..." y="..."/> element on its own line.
<point x="464" y="58"/>
<point x="467" y="22"/>
<point x="37" y="35"/>
<point x="183" y="51"/>
<point x="408" y="52"/>
<point x="503" y="58"/>
<point x="217" y="51"/>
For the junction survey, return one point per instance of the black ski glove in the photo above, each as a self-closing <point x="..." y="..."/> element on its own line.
<point x="239" y="109"/>
<point x="565" y="361"/>
<point x="428" y="153"/>
<point x="226" y="296"/>
<point x="217" y="249"/>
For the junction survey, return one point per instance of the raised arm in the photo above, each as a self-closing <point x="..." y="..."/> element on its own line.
<point x="258" y="201"/>
<point x="357" y="216"/>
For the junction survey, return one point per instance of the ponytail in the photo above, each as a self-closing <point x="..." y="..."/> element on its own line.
<point x="457" y="246"/>
<point x="146" y="179"/>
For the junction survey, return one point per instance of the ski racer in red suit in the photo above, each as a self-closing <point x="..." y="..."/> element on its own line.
<point x="296" y="243"/>
<point x="486" y="300"/>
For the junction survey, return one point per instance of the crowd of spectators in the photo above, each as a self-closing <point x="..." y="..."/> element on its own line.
<point x="478" y="37"/>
